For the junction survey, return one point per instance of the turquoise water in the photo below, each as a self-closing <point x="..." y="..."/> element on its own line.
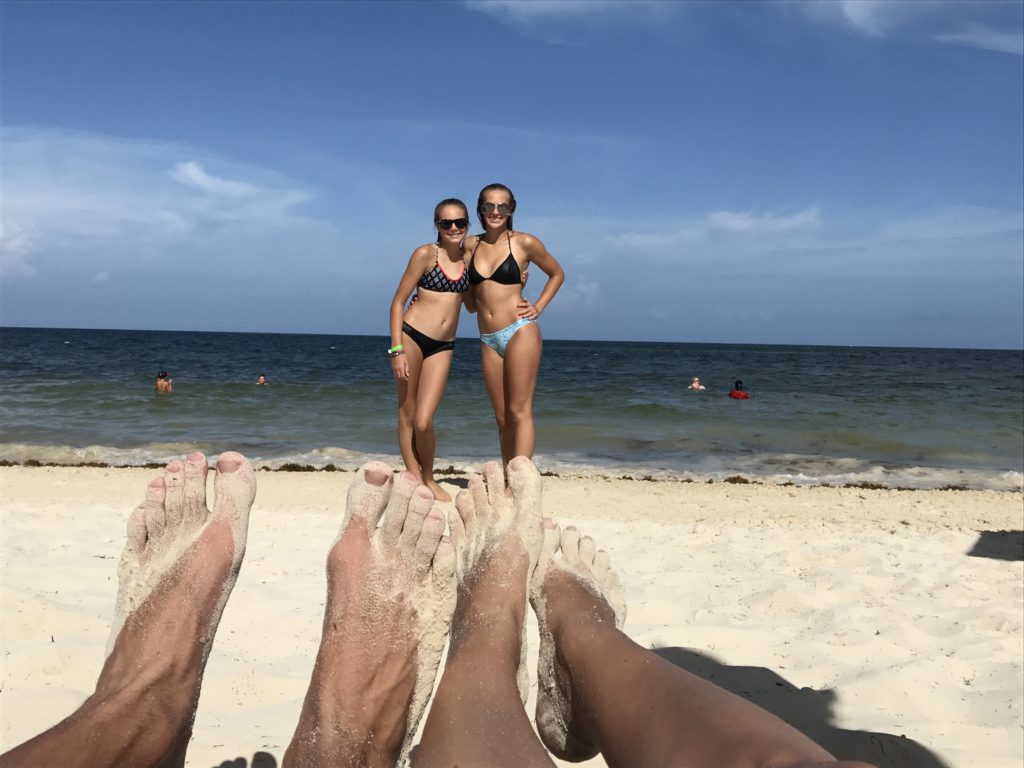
<point x="898" y="417"/>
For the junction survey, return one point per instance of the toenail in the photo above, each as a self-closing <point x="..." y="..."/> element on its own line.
<point x="424" y="493"/>
<point x="175" y="466"/>
<point x="226" y="465"/>
<point x="375" y="477"/>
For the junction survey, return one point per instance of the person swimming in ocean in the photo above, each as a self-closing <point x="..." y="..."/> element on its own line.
<point x="737" y="392"/>
<point x="164" y="383"/>
<point x="696" y="385"/>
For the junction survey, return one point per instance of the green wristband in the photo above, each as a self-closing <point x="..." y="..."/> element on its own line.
<point x="396" y="348"/>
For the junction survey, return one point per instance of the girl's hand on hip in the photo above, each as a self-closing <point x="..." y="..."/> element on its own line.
<point x="527" y="311"/>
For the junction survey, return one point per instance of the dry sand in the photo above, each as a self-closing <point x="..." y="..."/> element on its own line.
<point x="886" y="624"/>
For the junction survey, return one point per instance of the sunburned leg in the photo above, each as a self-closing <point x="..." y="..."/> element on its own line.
<point x="522" y="362"/>
<point x="179" y="565"/>
<point x="599" y="691"/>
<point x="433" y="378"/>
<point x="477" y="717"/>
<point x="493" y="367"/>
<point x="390" y="597"/>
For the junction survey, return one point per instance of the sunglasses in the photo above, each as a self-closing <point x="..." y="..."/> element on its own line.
<point x="445" y="224"/>
<point x="489" y="208"/>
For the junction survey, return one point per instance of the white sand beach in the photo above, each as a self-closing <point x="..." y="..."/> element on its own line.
<point x="885" y="624"/>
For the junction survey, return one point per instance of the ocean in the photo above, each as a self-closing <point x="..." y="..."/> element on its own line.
<point x="914" y="418"/>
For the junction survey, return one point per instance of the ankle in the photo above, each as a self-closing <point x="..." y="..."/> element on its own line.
<point x="491" y="630"/>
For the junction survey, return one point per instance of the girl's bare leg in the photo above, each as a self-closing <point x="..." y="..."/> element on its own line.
<point x="432" y="380"/>
<point x="407" y="396"/>
<point x="600" y="691"/>
<point x="179" y="565"/>
<point x="493" y="367"/>
<point x="477" y="717"/>
<point x="522" y="363"/>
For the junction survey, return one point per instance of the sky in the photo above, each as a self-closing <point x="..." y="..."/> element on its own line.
<point x="847" y="173"/>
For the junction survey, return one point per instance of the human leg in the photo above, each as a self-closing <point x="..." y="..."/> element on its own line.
<point x="432" y="381"/>
<point x="408" y="391"/>
<point x="390" y="596"/>
<point x="586" y="662"/>
<point x="179" y="565"/>
<point x="522" y="363"/>
<point x="477" y="717"/>
<point x="493" y="367"/>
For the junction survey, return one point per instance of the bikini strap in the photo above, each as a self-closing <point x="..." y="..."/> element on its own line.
<point x="508" y="234"/>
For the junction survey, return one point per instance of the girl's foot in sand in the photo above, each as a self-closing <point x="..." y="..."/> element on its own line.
<point x="573" y="589"/>
<point x="179" y="565"/>
<point x="440" y="494"/>
<point x="390" y="597"/>
<point x="477" y="717"/>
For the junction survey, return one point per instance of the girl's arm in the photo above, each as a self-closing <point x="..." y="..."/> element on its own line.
<point x="538" y="254"/>
<point x="419" y="262"/>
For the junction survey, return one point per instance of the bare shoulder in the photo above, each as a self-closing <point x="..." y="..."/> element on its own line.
<point x="529" y="243"/>
<point x="470" y="242"/>
<point x="423" y="254"/>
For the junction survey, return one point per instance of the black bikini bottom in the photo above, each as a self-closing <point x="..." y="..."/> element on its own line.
<point x="427" y="345"/>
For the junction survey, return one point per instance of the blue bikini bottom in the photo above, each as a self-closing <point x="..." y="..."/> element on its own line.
<point x="499" y="340"/>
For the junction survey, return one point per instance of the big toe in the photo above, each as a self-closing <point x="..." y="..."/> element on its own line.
<point x="235" y="489"/>
<point x="368" y="494"/>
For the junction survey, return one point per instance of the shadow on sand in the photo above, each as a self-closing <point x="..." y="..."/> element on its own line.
<point x="807" y="710"/>
<point x="259" y="760"/>
<point x="999" y="545"/>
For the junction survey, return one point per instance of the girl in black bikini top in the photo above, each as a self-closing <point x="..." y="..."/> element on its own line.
<point x="507" y="273"/>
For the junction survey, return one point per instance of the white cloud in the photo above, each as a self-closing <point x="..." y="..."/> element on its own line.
<point x="580" y="294"/>
<point x="562" y="21"/>
<point x="980" y="36"/>
<point x="993" y="25"/>
<point x="764" y="223"/>
<point x="191" y="174"/>
<point x="68" y="193"/>
<point x="15" y="248"/>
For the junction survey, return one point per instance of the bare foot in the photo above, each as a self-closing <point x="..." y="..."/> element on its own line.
<point x="440" y="494"/>
<point x="390" y="597"/>
<point x="179" y="565"/>
<point x="498" y="541"/>
<point x="572" y="588"/>
<point x="477" y="717"/>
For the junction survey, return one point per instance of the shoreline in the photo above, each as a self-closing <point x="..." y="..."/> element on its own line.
<point x="451" y="471"/>
<point x="870" y="619"/>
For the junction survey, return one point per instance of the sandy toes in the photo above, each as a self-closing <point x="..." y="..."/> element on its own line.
<point x="493" y="531"/>
<point x="572" y="586"/>
<point x="174" y="520"/>
<point x="390" y="598"/>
